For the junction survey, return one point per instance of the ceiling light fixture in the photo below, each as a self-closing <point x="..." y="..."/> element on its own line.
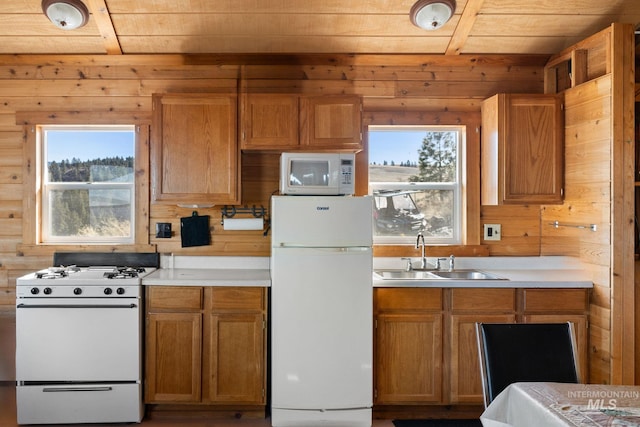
<point x="432" y="14"/>
<point x="66" y="14"/>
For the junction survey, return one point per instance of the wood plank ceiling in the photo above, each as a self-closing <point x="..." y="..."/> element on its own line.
<point x="312" y="26"/>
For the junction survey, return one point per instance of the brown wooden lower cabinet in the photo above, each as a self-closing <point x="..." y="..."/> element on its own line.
<point x="173" y="357"/>
<point x="205" y="345"/>
<point x="425" y="343"/>
<point x="408" y="345"/>
<point x="562" y="305"/>
<point x="408" y="363"/>
<point x="465" y="384"/>
<point x="468" y="306"/>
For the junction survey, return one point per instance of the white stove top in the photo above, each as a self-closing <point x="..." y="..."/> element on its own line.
<point x="100" y="281"/>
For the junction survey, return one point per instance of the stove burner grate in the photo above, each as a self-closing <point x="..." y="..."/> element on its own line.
<point x="57" y="272"/>
<point x="48" y="274"/>
<point x="124" y="272"/>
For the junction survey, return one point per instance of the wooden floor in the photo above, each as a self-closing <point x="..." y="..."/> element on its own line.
<point x="8" y="416"/>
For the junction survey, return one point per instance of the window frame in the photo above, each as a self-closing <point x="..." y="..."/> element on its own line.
<point x="458" y="187"/>
<point x="31" y="242"/>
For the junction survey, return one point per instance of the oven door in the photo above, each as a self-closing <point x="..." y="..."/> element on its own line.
<point x="78" y="339"/>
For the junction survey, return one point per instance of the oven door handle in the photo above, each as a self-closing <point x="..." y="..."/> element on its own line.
<point x="60" y="389"/>
<point x="75" y="306"/>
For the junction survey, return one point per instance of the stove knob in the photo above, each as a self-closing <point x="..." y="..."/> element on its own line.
<point x="108" y="291"/>
<point x="35" y="291"/>
<point x="77" y="291"/>
<point x="47" y="291"/>
<point x="120" y="291"/>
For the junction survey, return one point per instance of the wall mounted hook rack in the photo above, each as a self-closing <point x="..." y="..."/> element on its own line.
<point x="592" y="227"/>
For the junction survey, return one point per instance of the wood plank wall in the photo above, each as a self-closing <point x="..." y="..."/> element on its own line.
<point x="599" y="192"/>
<point x="587" y="201"/>
<point x="60" y="89"/>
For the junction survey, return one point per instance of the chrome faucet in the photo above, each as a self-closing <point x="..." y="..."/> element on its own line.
<point x="423" y="258"/>
<point x="409" y="266"/>
<point x="451" y="262"/>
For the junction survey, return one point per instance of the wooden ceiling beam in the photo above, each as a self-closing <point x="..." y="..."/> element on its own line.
<point x="100" y="13"/>
<point x="220" y="60"/>
<point x="463" y="29"/>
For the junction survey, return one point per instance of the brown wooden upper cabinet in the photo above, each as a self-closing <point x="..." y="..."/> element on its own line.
<point x="194" y="149"/>
<point x="289" y="122"/>
<point x="522" y="149"/>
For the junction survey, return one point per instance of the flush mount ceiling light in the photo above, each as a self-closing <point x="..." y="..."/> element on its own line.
<point x="432" y="14"/>
<point x="66" y="14"/>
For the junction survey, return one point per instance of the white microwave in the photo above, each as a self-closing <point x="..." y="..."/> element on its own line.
<point x="317" y="173"/>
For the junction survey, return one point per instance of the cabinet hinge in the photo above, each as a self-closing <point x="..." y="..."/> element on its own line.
<point x="262" y="392"/>
<point x="375" y="324"/>
<point x="375" y="393"/>
<point x="264" y="324"/>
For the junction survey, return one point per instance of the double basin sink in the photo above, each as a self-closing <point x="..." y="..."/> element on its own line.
<point x="421" y="275"/>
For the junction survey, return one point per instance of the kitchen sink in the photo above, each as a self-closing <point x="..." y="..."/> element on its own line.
<point x="407" y="275"/>
<point x="467" y="275"/>
<point x="436" y="275"/>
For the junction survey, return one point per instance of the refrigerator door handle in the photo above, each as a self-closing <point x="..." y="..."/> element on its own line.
<point x="327" y="248"/>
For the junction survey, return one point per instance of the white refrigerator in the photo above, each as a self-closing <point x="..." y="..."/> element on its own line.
<point x="321" y="311"/>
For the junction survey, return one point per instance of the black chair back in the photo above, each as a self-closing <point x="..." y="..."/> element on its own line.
<point x="525" y="352"/>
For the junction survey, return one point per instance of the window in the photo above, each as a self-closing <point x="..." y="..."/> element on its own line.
<point x="415" y="178"/>
<point x="87" y="184"/>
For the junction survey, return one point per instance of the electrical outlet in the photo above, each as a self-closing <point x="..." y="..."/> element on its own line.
<point x="163" y="230"/>
<point x="492" y="232"/>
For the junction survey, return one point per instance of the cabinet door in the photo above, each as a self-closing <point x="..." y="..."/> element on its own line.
<point x="173" y="357"/>
<point x="580" y="328"/>
<point x="408" y="361"/>
<point x="269" y="121"/>
<point x="235" y="358"/>
<point x="465" y="379"/>
<point x="194" y="149"/>
<point x="331" y="122"/>
<point x="534" y="149"/>
<point x="522" y="149"/>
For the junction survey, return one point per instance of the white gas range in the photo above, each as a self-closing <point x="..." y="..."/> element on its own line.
<point x="79" y="339"/>
<point x="84" y="282"/>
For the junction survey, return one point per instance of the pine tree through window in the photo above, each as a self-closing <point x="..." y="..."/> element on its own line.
<point x="415" y="178"/>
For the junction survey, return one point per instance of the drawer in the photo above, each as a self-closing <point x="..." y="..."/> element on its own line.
<point x="225" y="298"/>
<point x="408" y="299"/>
<point x="174" y="297"/>
<point x="555" y="300"/>
<point x="483" y="299"/>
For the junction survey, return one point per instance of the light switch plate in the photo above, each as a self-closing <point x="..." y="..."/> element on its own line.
<point x="492" y="232"/>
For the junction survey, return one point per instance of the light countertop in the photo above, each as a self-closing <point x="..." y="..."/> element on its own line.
<point x="210" y="271"/>
<point x="520" y="272"/>
<point x="208" y="277"/>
